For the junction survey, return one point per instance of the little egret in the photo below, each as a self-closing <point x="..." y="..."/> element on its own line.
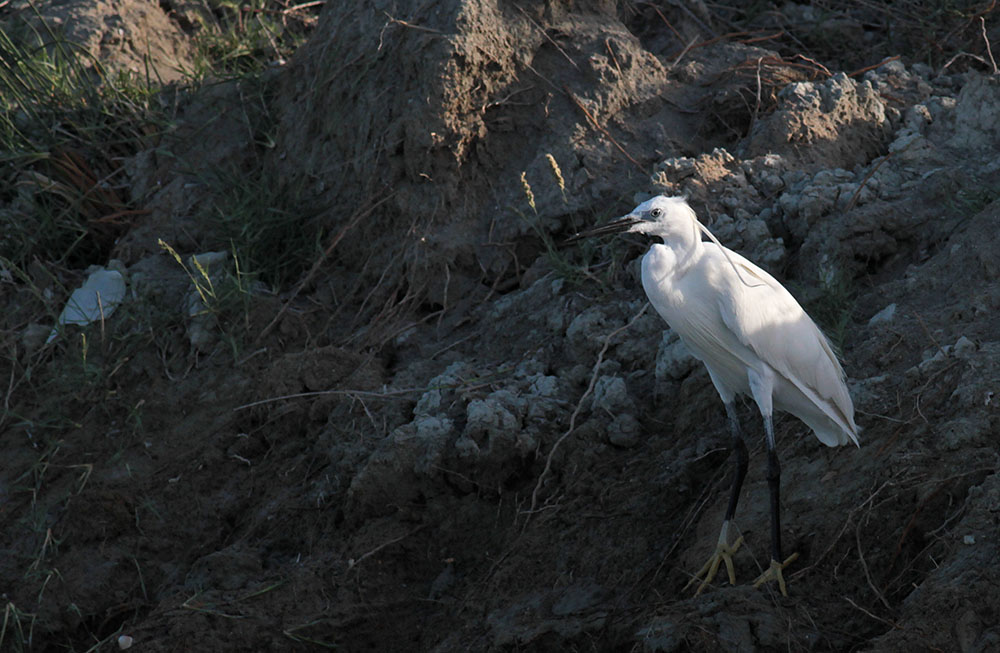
<point x="755" y="340"/>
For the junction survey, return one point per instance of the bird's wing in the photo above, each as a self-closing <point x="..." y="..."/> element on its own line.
<point x="765" y="318"/>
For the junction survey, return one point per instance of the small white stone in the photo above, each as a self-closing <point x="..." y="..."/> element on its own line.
<point x="124" y="642"/>
<point x="610" y="394"/>
<point x="964" y="346"/>
<point x="93" y="301"/>
<point x="624" y="430"/>
<point x="885" y="315"/>
<point x="969" y="539"/>
<point x="674" y="360"/>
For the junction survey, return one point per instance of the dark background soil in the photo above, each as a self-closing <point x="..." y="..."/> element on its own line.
<point x="430" y="430"/>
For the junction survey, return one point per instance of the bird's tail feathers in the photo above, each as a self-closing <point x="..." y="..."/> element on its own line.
<point x="831" y="433"/>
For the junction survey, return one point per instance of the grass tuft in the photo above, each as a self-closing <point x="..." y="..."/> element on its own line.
<point x="238" y="38"/>
<point x="276" y="233"/>
<point x="220" y="302"/>
<point x="832" y="306"/>
<point x="17" y="629"/>
<point x="65" y="124"/>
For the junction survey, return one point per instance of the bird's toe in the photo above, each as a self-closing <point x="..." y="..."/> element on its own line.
<point x="723" y="553"/>
<point x="773" y="573"/>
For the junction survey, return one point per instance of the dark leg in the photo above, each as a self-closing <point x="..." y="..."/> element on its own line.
<point x="739" y="449"/>
<point x="773" y="572"/>
<point x="724" y="550"/>
<point x="774" y="484"/>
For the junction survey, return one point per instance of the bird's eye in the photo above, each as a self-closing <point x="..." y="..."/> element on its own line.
<point x="656" y="212"/>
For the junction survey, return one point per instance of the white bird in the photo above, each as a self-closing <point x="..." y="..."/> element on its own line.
<point x="753" y="337"/>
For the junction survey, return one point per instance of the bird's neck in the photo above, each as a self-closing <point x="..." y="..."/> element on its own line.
<point x="685" y="245"/>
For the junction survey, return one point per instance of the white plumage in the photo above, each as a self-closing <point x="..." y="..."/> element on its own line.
<point x="753" y="337"/>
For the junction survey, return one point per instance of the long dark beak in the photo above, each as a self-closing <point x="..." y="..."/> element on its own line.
<point x="614" y="227"/>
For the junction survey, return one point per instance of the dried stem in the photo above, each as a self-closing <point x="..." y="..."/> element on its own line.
<point x="351" y="223"/>
<point x="598" y="127"/>
<point x="576" y="411"/>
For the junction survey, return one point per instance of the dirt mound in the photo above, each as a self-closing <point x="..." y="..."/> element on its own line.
<point x="446" y="433"/>
<point x="129" y="36"/>
<point x="434" y="109"/>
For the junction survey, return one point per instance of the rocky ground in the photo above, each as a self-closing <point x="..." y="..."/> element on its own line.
<point x="412" y="420"/>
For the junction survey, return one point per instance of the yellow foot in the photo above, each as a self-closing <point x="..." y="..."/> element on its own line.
<point x="723" y="553"/>
<point x="774" y="573"/>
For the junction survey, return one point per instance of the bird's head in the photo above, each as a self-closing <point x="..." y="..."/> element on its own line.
<point x="668" y="217"/>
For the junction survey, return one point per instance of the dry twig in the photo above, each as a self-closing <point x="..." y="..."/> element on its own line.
<point x="665" y="21"/>
<point x="353" y="563"/>
<point x="989" y="50"/>
<point x="576" y="411"/>
<point x="351" y="223"/>
<point x="847" y="522"/>
<point x="871" y="173"/>
<point x="598" y="127"/>
<point x="547" y="37"/>
<point x="403" y="23"/>
<point x="874" y="616"/>
<point x="860" y="71"/>
<point x="864" y="567"/>
<point x="677" y="60"/>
